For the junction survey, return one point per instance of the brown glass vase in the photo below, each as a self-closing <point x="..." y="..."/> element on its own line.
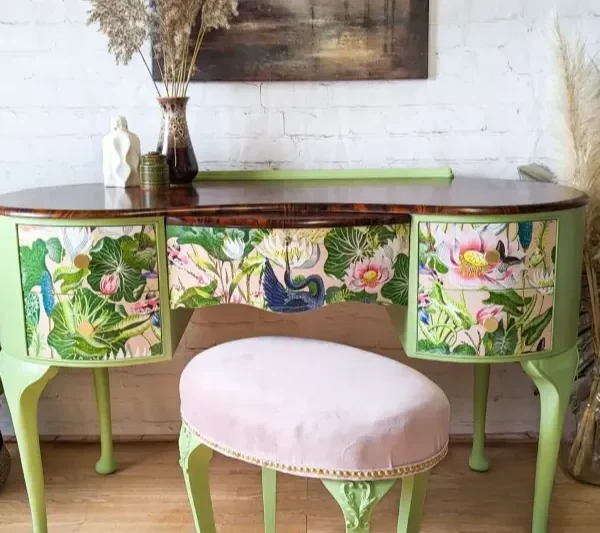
<point x="174" y="141"/>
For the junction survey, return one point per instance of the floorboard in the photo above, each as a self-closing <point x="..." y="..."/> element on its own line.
<point x="147" y="495"/>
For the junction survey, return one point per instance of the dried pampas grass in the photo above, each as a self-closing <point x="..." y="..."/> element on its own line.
<point x="169" y="24"/>
<point x="578" y="128"/>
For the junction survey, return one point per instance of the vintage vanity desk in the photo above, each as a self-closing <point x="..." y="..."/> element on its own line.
<point x="471" y="271"/>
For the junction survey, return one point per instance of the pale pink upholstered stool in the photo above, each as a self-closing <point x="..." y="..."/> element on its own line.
<point x="354" y="419"/>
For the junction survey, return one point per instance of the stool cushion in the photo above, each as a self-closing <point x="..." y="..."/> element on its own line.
<point x="315" y="408"/>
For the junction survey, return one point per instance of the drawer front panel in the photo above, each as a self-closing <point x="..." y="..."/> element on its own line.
<point x="90" y="293"/>
<point x="288" y="271"/>
<point x="486" y="289"/>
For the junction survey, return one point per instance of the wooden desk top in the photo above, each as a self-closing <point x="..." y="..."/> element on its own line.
<point x="305" y="202"/>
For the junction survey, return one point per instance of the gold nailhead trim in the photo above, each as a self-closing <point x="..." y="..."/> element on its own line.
<point x="320" y="472"/>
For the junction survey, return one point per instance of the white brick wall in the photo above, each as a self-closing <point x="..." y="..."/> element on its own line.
<point x="481" y="112"/>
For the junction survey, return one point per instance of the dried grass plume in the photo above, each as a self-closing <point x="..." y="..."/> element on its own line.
<point x="169" y="24"/>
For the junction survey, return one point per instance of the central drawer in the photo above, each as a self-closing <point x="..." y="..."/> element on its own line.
<point x="288" y="270"/>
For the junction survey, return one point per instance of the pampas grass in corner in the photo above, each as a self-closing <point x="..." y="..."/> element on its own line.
<point x="577" y="124"/>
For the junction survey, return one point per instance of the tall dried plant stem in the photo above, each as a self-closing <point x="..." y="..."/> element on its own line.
<point x="149" y="72"/>
<point x="582" y="446"/>
<point x="199" y="40"/>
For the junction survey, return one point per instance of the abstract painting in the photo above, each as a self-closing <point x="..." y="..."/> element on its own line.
<point x="319" y="40"/>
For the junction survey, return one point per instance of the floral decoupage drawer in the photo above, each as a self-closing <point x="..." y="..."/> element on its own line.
<point x="288" y="271"/>
<point x="90" y="293"/>
<point x="486" y="289"/>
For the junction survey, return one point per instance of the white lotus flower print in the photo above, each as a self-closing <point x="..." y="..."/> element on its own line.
<point x="76" y="240"/>
<point x="542" y="280"/>
<point x="234" y="248"/>
<point x="302" y="252"/>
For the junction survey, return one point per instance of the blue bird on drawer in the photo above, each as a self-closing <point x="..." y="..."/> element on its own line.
<point x="291" y="298"/>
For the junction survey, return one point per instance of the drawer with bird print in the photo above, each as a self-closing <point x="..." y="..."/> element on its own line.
<point x="90" y="293"/>
<point x="287" y="270"/>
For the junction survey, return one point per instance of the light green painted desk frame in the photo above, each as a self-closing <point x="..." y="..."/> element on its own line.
<point x="551" y="366"/>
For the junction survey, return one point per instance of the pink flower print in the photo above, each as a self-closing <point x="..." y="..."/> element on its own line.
<point x="236" y="298"/>
<point x="149" y="304"/>
<point x="176" y="256"/>
<point x="476" y="259"/>
<point x="489" y="317"/>
<point x="109" y="284"/>
<point x="369" y="274"/>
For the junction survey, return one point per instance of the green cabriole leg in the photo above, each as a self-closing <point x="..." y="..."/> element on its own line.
<point x="478" y="460"/>
<point x="412" y="501"/>
<point x="269" y="488"/>
<point x="553" y="377"/>
<point x="357" y="500"/>
<point x="107" y="463"/>
<point x="194" y="460"/>
<point x="23" y="384"/>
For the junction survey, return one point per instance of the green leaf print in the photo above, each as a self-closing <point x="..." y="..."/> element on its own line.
<point x="346" y="246"/>
<point x="456" y="311"/>
<point x="33" y="264"/>
<point x="107" y="259"/>
<point x="464" y="349"/>
<point x="83" y="328"/>
<point x="32" y="315"/>
<point x="534" y="329"/>
<point x="396" y="290"/>
<point x="510" y="300"/>
<point x="56" y="252"/>
<point x="501" y="341"/>
<point x="334" y="295"/>
<point x="70" y="276"/>
<point x="431" y="347"/>
<point x="199" y="297"/>
<point x="139" y="251"/>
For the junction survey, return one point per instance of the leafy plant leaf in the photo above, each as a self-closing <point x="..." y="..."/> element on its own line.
<point x="56" y="252"/>
<point x="33" y="264"/>
<point x="333" y="295"/>
<point x="82" y="327"/>
<point x="510" y="300"/>
<point x="501" y="341"/>
<point x="534" y="329"/>
<point x="107" y="259"/>
<point x="71" y="277"/>
<point x="139" y="251"/>
<point x="199" y="297"/>
<point x="464" y="349"/>
<point x="427" y="346"/>
<point x="344" y="247"/>
<point x="456" y="311"/>
<point x="247" y="268"/>
<point x="396" y="289"/>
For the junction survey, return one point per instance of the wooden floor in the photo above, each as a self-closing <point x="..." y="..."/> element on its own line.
<point x="147" y="495"/>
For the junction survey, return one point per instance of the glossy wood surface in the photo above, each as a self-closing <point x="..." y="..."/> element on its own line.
<point x="301" y="202"/>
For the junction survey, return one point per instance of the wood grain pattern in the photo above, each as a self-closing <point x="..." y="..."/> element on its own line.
<point x="295" y="204"/>
<point x="147" y="495"/>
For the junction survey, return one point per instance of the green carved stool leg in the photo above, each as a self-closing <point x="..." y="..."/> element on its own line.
<point x="357" y="500"/>
<point x="478" y="460"/>
<point x="553" y="377"/>
<point x="412" y="501"/>
<point x="107" y="463"/>
<point x="269" y="488"/>
<point x="23" y="384"/>
<point x="194" y="460"/>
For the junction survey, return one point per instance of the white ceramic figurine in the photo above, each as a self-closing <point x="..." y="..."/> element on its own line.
<point x="121" y="156"/>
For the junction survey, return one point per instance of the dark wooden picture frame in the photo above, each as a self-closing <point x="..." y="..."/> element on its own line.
<point x="318" y="40"/>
